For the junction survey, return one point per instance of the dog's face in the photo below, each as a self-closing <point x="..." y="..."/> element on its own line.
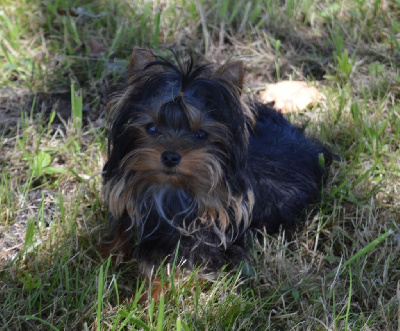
<point x="174" y="142"/>
<point x="180" y="129"/>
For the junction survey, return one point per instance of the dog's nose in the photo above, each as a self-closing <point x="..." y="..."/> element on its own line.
<point x="170" y="159"/>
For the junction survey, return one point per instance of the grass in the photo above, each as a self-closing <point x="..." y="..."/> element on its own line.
<point x="340" y="272"/>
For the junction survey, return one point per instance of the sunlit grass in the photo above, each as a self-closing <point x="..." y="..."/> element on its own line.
<point x="339" y="272"/>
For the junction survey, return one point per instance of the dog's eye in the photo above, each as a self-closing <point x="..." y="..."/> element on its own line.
<point x="201" y="135"/>
<point x="152" y="129"/>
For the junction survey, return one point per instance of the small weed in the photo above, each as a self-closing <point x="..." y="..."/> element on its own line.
<point x="345" y="66"/>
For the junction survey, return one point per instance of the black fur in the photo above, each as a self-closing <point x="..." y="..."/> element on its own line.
<point x="259" y="152"/>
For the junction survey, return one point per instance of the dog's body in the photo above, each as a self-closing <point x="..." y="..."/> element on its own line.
<point x="192" y="169"/>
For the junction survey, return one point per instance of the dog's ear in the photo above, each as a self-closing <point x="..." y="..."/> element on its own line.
<point x="139" y="59"/>
<point x="232" y="72"/>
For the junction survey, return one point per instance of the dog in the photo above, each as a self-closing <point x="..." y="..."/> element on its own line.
<point x="192" y="169"/>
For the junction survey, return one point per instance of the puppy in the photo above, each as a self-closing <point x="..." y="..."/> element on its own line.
<point x="192" y="168"/>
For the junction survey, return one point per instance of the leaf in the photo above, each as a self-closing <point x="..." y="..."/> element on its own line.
<point x="96" y="49"/>
<point x="130" y="318"/>
<point x="40" y="161"/>
<point x="54" y="170"/>
<point x="289" y="96"/>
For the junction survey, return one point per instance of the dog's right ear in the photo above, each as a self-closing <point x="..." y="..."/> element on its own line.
<point x="139" y="59"/>
<point x="232" y="72"/>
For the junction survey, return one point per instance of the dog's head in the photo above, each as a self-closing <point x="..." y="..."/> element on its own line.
<point x="174" y="127"/>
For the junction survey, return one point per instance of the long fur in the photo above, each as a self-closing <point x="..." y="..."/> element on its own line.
<point x="239" y="166"/>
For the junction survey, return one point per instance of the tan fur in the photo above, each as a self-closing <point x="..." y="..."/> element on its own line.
<point x="139" y="59"/>
<point x="233" y="72"/>
<point x="199" y="171"/>
<point x="202" y="175"/>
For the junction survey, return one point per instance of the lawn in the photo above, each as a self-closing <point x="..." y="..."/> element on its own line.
<point x="341" y="271"/>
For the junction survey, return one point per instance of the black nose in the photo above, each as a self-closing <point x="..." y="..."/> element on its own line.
<point x="170" y="159"/>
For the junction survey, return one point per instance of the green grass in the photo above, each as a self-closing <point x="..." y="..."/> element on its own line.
<point x="340" y="272"/>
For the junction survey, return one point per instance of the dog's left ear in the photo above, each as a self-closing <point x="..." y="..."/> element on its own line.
<point x="139" y="59"/>
<point x="232" y="72"/>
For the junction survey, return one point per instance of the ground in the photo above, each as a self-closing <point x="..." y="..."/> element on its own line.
<point x="341" y="271"/>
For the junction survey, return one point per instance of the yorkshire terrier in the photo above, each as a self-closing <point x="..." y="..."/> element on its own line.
<point x="192" y="169"/>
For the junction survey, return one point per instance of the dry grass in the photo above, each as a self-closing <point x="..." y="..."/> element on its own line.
<point x="341" y="271"/>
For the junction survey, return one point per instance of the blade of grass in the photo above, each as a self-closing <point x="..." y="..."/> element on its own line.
<point x="368" y="248"/>
<point x="30" y="317"/>
<point x="134" y="320"/>
<point x="365" y="250"/>
<point x="346" y="326"/>
<point x="76" y="105"/>
<point x="100" y="288"/>
<point x="161" y="317"/>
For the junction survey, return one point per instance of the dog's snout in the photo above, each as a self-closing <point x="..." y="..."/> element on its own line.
<point x="170" y="159"/>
